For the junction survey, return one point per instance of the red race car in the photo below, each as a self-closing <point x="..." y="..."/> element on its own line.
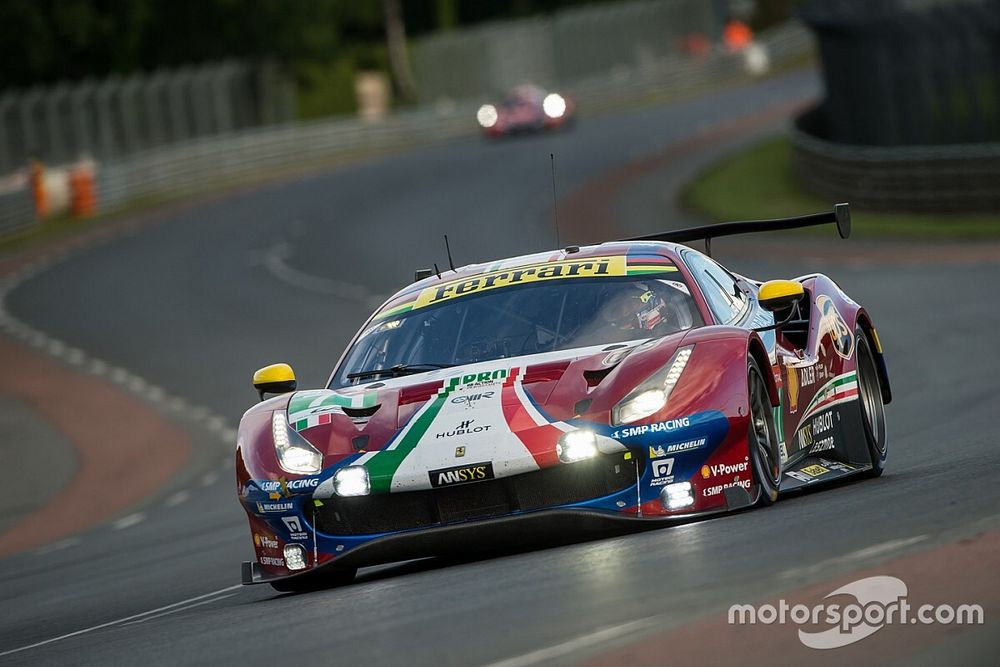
<point x="527" y="109"/>
<point x="624" y="383"/>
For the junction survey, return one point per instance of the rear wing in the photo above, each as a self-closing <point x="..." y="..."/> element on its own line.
<point x="841" y="215"/>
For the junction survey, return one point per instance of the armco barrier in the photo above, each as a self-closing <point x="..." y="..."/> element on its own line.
<point x="958" y="177"/>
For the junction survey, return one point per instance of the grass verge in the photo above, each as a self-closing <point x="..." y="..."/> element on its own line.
<point x="758" y="183"/>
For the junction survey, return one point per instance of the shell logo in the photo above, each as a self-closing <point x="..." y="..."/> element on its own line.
<point x="256" y="539"/>
<point x="705" y="472"/>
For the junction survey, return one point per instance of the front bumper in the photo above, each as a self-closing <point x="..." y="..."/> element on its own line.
<point x="532" y="530"/>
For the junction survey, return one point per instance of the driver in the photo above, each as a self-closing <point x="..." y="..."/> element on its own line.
<point x="643" y="306"/>
<point x="634" y="308"/>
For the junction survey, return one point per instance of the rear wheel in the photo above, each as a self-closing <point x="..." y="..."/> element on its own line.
<point x="325" y="578"/>
<point x="762" y="437"/>
<point x="872" y="407"/>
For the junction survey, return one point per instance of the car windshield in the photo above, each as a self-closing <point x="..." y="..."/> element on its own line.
<point x="515" y="321"/>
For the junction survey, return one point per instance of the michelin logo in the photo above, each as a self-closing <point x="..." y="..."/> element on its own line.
<point x="676" y="448"/>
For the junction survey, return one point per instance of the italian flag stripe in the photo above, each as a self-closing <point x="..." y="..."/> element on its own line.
<point x="383" y="465"/>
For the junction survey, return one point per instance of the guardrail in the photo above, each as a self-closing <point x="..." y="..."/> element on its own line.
<point x="213" y="162"/>
<point x="956" y="177"/>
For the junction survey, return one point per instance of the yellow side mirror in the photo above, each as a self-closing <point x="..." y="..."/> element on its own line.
<point x="779" y="295"/>
<point x="274" y="379"/>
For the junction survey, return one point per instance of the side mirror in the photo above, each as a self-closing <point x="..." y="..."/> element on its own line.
<point x="779" y="296"/>
<point x="274" y="379"/>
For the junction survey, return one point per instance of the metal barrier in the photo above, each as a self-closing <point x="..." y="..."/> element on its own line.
<point x="956" y="177"/>
<point x="115" y="117"/>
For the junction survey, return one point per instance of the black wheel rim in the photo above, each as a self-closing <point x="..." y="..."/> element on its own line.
<point x="763" y="429"/>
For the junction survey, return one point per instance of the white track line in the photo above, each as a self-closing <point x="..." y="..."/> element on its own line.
<point x="122" y="620"/>
<point x="174" y="611"/>
<point x="177" y="498"/>
<point x="128" y="521"/>
<point x="855" y="556"/>
<point x="576" y="644"/>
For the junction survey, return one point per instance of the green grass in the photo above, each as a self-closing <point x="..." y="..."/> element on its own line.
<point x="759" y="183"/>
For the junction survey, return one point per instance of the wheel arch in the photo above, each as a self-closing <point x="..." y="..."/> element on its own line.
<point x="757" y="351"/>
<point x="865" y="324"/>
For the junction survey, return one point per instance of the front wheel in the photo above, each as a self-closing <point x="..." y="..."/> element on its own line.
<point x="872" y="406"/>
<point x="762" y="437"/>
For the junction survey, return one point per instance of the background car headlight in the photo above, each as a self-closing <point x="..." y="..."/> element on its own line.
<point x="295" y="454"/>
<point x="650" y="396"/>
<point x="576" y="446"/>
<point x="351" y="481"/>
<point x="554" y="105"/>
<point x="487" y="115"/>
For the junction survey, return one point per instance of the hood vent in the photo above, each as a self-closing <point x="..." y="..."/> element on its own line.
<point x="361" y="413"/>
<point x="594" y="378"/>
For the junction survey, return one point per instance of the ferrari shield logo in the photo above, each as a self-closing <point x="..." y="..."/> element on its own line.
<point x="459" y="452"/>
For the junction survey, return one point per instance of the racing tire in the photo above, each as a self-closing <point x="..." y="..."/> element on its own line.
<point x="871" y="403"/>
<point x="324" y="578"/>
<point x="762" y="437"/>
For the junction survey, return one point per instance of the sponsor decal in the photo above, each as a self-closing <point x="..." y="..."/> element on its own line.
<point x="815" y="470"/>
<point x="710" y="491"/>
<point x="719" y="469"/>
<point x="662" y="471"/>
<point x="655" y="452"/>
<point x="294" y="526"/>
<point x="469" y="400"/>
<point x="795" y="474"/>
<point x="459" y="452"/>
<point x="271" y="560"/>
<point x="832" y="322"/>
<point x="270" y="508"/>
<point x="687" y="445"/>
<point x="822" y="445"/>
<point x="473" y="472"/>
<point x="265" y="542"/>
<point x="282" y="488"/>
<point x="656" y="427"/>
<point x="792" y="389"/>
<point x="576" y="268"/>
<point x="465" y="427"/>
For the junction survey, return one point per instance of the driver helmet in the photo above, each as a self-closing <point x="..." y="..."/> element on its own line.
<point x="635" y="308"/>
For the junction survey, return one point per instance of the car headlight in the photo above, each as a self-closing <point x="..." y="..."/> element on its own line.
<point x="487" y="115"/>
<point x="351" y="481"/>
<point x="554" y="105"/>
<point x="650" y="396"/>
<point x="295" y="454"/>
<point x="576" y="446"/>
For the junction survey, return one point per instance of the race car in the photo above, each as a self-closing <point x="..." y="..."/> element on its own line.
<point x="628" y="383"/>
<point x="527" y="109"/>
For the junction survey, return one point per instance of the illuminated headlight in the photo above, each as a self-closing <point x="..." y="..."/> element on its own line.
<point x="351" y="481"/>
<point x="554" y="105"/>
<point x="295" y="454"/>
<point x="650" y="396"/>
<point x="295" y="557"/>
<point x="676" y="496"/>
<point x="576" y="446"/>
<point x="487" y="115"/>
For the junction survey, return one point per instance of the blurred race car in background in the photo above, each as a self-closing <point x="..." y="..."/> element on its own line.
<point x="585" y="388"/>
<point x="527" y="109"/>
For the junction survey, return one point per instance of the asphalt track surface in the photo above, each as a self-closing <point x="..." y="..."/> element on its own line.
<point x="288" y="272"/>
